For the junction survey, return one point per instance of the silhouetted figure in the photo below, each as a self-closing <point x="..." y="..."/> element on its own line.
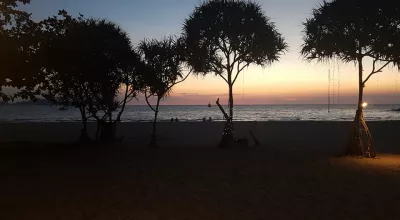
<point x="176" y="120"/>
<point x="209" y="119"/>
<point x="204" y="119"/>
<point x="172" y="119"/>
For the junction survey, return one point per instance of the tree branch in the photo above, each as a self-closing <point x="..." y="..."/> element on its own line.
<point x="125" y="97"/>
<point x="123" y="103"/>
<point x="183" y="79"/>
<point x="96" y="117"/>
<point x="147" y="100"/>
<point x="368" y="53"/>
<point x="228" y="50"/>
<point x="234" y="61"/>
<point x="238" y="71"/>
<point x="222" y="110"/>
<point x="239" y="57"/>
<point x="223" y="77"/>
<point x="376" y="71"/>
<point x="131" y="98"/>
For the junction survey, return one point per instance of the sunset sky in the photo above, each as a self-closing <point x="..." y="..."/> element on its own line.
<point x="290" y="81"/>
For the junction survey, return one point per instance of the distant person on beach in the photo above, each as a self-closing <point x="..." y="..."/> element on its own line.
<point x="209" y="119"/>
<point x="176" y="120"/>
<point x="172" y="119"/>
<point x="204" y="119"/>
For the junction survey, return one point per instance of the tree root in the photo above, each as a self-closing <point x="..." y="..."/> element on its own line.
<point x="360" y="140"/>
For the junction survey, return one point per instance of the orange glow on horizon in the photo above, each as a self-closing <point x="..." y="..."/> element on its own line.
<point x="290" y="81"/>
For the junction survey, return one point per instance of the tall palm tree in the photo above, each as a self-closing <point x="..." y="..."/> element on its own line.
<point x="224" y="37"/>
<point x="355" y="31"/>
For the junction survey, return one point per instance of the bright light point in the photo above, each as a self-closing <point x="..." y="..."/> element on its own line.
<point x="364" y="104"/>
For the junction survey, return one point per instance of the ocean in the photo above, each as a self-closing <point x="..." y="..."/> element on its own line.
<point x="43" y="113"/>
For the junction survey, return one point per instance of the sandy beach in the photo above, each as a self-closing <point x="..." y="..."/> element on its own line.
<point x="295" y="175"/>
<point x="324" y="135"/>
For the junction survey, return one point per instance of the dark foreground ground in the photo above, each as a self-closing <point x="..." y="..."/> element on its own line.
<point x="124" y="183"/>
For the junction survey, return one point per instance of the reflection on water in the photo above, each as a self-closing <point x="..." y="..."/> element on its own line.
<point x="37" y="113"/>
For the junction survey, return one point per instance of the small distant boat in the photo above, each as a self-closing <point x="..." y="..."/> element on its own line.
<point x="396" y="110"/>
<point x="209" y="105"/>
<point x="63" y="108"/>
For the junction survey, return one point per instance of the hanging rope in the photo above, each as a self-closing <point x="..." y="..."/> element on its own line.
<point x="243" y="87"/>
<point x="329" y="90"/>
<point x="396" y="85"/>
<point x="333" y="84"/>
<point x="338" y="83"/>
<point x="377" y="78"/>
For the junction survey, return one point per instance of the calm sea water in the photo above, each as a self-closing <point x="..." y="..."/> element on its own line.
<point x="38" y="113"/>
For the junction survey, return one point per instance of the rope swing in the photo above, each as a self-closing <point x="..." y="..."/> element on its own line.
<point x="338" y="84"/>
<point x="329" y="90"/>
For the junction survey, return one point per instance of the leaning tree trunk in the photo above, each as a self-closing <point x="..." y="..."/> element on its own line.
<point x="227" y="140"/>
<point x="153" y="143"/>
<point x="360" y="141"/>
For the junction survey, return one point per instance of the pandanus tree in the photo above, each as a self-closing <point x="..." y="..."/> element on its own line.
<point x="86" y="62"/>
<point x="358" y="32"/>
<point x="18" y="45"/>
<point x="223" y="37"/>
<point x="165" y="64"/>
<point x="118" y="79"/>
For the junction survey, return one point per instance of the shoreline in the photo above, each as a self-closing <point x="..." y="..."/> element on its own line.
<point x="191" y="121"/>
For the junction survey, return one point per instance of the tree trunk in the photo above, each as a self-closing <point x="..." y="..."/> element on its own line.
<point x="360" y="141"/>
<point x="119" y="116"/>
<point x="153" y="143"/>
<point x="98" y="129"/>
<point x="106" y="132"/>
<point x="227" y="140"/>
<point x="84" y="136"/>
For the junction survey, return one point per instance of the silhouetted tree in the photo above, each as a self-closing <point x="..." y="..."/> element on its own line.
<point x="122" y="73"/>
<point x="224" y="37"/>
<point x="355" y="31"/>
<point x="18" y="45"/>
<point x="86" y="62"/>
<point x="164" y="60"/>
